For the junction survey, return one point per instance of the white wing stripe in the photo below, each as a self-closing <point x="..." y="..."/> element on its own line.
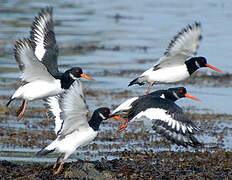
<point x="53" y="103"/>
<point x="190" y="129"/>
<point x="177" y="126"/>
<point x="157" y="113"/>
<point x="174" y="124"/>
<point x="39" y="39"/>
<point x="183" y="128"/>
<point x="39" y="31"/>
<point x="125" y="105"/>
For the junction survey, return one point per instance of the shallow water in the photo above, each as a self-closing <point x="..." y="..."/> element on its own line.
<point x="129" y="36"/>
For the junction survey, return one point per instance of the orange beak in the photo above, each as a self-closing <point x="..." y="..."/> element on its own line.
<point x="87" y="77"/>
<point x="212" y="67"/>
<point x="116" y="117"/>
<point x="191" y="97"/>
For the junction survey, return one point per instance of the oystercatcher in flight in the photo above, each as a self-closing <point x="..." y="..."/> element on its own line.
<point x="179" y="60"/>
<point x="37" y="59"/>
<point x="163" y="115"/>
<point x="74" y="129"/>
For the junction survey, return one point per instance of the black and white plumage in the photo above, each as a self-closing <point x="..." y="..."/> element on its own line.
<point x="172" y="94"/>
<point x="162" y="114"/>
<point x="76" y="130"/>
<point x="43" y="40"/>
<point x="179" y="60"/>
<point x="39" y="83"/>
<point x="54" y="110"/>
<point x="37" y="59"/>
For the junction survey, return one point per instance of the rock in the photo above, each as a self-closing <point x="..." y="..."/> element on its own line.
<point x="86" y="171"/>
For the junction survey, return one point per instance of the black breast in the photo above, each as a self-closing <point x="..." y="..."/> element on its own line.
<point x="191" y="66"/>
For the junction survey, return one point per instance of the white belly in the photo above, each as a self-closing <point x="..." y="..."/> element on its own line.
<point x="78" y="138"/>
<point x="166" y="75"/>
<point x="38" y="89"/>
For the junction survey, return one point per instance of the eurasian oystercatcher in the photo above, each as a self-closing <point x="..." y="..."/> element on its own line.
<point x="162" y="114"/>
<point x="75" y="130"/>
<point x="42" y="79"/>
<point x="179" y="60"/>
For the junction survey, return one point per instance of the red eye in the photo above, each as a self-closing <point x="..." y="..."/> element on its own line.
<point x="106" y="110"/>
<point x="77" y="70"/>
<point x="181" y="91"/>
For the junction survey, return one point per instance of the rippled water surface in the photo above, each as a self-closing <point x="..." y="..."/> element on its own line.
<point x="114" y="41"/>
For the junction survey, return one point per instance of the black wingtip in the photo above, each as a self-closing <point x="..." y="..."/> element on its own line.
<point x="195" y="142"/>
<point x="132" y="82"/>
<point x="44" y="11"/>
<point x="38" y="26"/>
<point x="44" y="152"/>
<point x="8" y="103"/>
<point x="20" y="44"/>
<point x="197" y="23"/>
<point x="177" y="137"/>
<point x="135" y="81"/>
<point x="188" y="28"/>
<point x="48" y="9"/>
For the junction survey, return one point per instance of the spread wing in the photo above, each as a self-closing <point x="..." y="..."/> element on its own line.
<point x="43" y="40"/>
<point x="73" y="109"/>
<point x="183" y="46"/>
<point x="31" y="68"/>
<point x="53" y="104"/>
<point x="169" y="122"/>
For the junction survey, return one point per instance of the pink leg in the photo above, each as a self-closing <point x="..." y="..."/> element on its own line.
<point x="21" y="110"/>
<point x="149" y="88"/>
<point x="57" y="161"/>
<point x="60" y="168"/>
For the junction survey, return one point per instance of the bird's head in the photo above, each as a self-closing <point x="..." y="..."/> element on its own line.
<point x="103" y="113"/>
<point x="76" y="72"/>
<point x="177" y="93"/>
<point x="202" y="62"/>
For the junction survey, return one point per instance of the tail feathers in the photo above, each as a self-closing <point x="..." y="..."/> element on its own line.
<point x="44" y="152"/>
<point x="8" y="103"/>
<point x="136" y="81"/>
